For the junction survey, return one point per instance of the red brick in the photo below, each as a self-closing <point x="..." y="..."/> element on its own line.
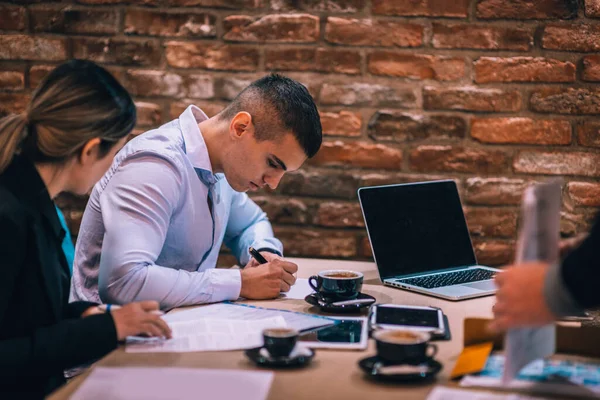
<point x="343" y="123"/>
<point x="212" y="56"/>
<point x="407" y="127"/>
<point x="37" y="73"/>
<point x="153" y="23"/>
<point x="592" y="8"/>
<point x="230" y="4"/>
<point x="572" y="223"/>
<point x="416" y="66"/>
<point x="131" y="2"/>
<point x="367" y="94"/>
<point x="557" y="163"/>
<point x="566" y="101"/>
<point x="469" y="36"/>
<point x="284" y="210"/>
<point x="12" y="18"/>
<point x="311" y="59"/>
<point x="428" y="8"/>
<point x="11" y="80"/>
<point x="228" y="87"/>
<point x="519" y="9"/>
<point x="458" y="159"/>
<point x="342" y="215"/>
<point x="575" y="37"/>
<point x="22" y="47"/>
<point x="588" y="134"/>
<point x="118" y="51"/>
<point x="521" y="131"/>
<point x="210" y="109"/>
<point x="338" y="6"/>
<point x="365" y="248"/>
<point x="148" y="114"/>
<point x="316" y="243"/>
<point x="523" y="69"/>
<point x="494" y="191"/>
<point x="13" y="103"/>
<point x="471" y="99"/>
<point x="315" y="183"/>
<point x="591" y="69"/>
<point x="369" y="32"/>
<point x="168" y="84"/>
<point x="584" y="193"/>
<point x="69" y="20"/>
<point x="358" y="154"/>
<point x="496" y="222"/>
<point x="290" y="28"/>
<point x="494" y="252"/>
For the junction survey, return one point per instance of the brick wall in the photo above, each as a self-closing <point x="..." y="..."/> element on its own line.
<point x="493" y="93"/>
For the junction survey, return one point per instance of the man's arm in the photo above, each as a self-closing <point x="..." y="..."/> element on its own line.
<point x="137" y="205"/>
<point x="248" y="226"/>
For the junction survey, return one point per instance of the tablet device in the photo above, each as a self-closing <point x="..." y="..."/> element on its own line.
<point x="347" y="333"/>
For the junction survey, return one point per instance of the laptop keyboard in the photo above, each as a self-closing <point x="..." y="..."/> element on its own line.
<point x="450" y="278"/>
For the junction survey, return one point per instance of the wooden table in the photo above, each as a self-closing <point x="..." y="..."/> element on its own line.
<point x="333" y="374"/>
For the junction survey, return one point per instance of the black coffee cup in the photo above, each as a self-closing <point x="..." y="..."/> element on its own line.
<point x="280" y="342"/>
<point x="337" y="284"/>
<point x="405" y="347"/>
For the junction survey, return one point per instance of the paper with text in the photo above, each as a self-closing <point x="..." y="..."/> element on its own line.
<point x="444" y="393"/>
<point x="208" y="335"/>
<point x="538" y="241"/>
<point x="173" y="383"/>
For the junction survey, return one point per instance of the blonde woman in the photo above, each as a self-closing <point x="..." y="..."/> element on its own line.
<point x="78" y="118"/>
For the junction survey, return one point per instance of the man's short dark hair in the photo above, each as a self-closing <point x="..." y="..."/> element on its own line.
<point x="279" y="104"/>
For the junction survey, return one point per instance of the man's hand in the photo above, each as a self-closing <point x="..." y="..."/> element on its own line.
<point x="91" y="311"/>
<point x="520" y="298"/>
<point x="266" y="280"/>
<point x="289" y="267"/>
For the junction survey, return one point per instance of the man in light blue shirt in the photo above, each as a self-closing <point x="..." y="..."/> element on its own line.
<point x="155" y="222"/>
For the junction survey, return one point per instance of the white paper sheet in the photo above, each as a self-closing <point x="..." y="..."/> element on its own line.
<point x="299" y="291"/>
<point x="298" y="321"/>
<point x="444" y="393"/>
<point x="538" y="240"/>
<point x="173" y="383"/>
<point x="208" y="335"/>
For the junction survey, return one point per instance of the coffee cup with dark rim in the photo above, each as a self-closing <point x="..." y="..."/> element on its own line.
<point x="280" y="342"/>
<point x="337" y="284"/>
<point x="404" y="346"/>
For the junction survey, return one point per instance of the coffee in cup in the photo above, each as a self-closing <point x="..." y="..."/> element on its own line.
<point x="337" y="284"/>
<point x="403" y="346"/>
<point x="280" y="342"/>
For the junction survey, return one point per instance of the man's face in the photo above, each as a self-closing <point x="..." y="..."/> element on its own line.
<point x="252" y="165"/>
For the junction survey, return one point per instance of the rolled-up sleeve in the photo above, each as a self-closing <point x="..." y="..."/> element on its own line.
<point x="249" y="226"/>
<point x="137" y="205"/>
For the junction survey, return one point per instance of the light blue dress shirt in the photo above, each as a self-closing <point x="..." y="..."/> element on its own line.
<point x="148" y="232"/>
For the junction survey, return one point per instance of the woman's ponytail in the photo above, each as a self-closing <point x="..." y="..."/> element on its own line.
<point x="13" y="129"/>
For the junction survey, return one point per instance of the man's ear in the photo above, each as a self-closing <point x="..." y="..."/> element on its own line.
<point x="241" y="124"/>
<point x="90" y="151"/>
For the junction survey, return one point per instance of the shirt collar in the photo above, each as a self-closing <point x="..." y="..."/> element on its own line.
<point x="195" y="146"/>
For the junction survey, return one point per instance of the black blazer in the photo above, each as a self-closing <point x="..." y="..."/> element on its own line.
<point x="41" y="334"/>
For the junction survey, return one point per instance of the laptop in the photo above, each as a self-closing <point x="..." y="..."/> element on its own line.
<point x="420" y="240"/>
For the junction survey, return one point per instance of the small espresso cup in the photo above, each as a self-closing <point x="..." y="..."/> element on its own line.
<point x="402" y="346"/>
<point x="280" y="342"/>
<point x="337" y="284"/>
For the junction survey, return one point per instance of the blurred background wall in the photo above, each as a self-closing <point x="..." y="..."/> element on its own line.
<point x="492" y="93"/>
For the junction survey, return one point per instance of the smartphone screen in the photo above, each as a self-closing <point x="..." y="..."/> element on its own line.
<point x="407" y="316"/>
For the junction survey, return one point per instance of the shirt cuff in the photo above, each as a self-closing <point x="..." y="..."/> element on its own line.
<point x="558" y="298"/>
<point x="226" y="284"/>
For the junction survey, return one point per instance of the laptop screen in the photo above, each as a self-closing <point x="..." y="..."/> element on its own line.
<point x="416" y="227"/>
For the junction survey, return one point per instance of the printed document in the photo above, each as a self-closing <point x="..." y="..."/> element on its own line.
<point x="538" y="241"/>
<point x="143" y="383"/>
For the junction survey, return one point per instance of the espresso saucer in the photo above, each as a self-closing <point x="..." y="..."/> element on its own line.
<point x="379" y="369"/>
<point x="314" y="300"/>
<point x="299" y="358"/>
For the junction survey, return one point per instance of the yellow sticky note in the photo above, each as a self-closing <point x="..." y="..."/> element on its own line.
<point x="472" y="359"/>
